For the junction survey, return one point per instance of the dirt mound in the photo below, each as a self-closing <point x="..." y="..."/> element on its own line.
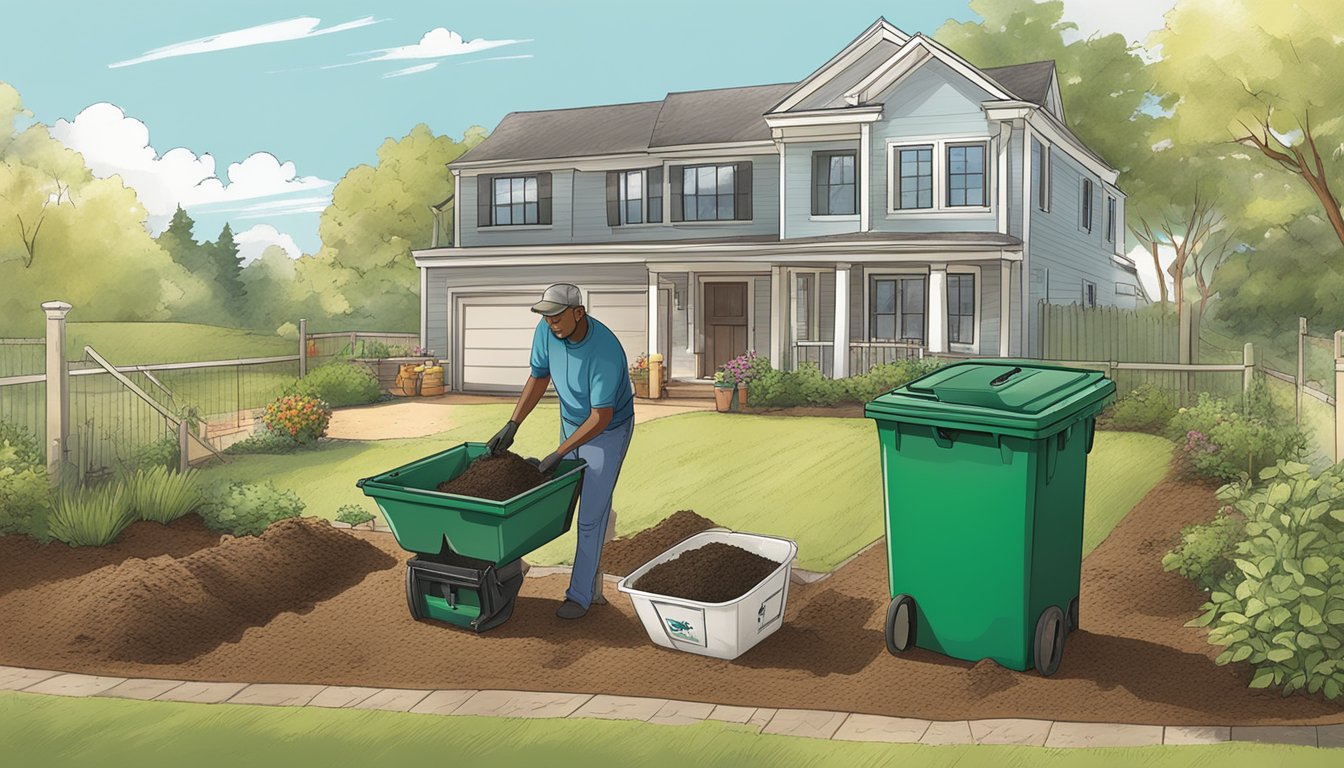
<point x="621" y="556"/>
<point x="166" y="610"/>
<point x="714" y="573"/>
<point x="498" y="478"/>
<point x="987" y="678"/>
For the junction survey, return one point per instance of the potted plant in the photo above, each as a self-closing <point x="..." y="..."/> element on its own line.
<point x="740" y="371"/>
<point x="724" y="384"/>
<point x="639" y="376"/>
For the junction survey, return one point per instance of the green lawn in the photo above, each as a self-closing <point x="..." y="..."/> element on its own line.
<point x="155" y="342"/>
<point x="49" y="730"/>
<point x="814" y="480"/>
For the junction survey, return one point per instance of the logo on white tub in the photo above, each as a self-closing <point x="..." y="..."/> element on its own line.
<point x="682" y="624"/>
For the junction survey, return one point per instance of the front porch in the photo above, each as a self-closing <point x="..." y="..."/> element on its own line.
<point x="842" y="317"/>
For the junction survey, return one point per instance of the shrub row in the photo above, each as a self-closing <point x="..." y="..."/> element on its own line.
<point x="771" y="388"/>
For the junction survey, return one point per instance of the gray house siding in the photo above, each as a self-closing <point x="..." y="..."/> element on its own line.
<point x="933" y="102"/>
<point x="761" y="339"/>
<point x="558" y="231"/>
<point x="798" y="220"/>
<point x="987" y="340"/>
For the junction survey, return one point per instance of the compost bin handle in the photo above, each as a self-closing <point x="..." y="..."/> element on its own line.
<point x="1001" y="379"/>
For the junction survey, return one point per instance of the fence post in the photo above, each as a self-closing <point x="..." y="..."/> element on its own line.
<point x="1301" y="381"/>
<point x="182" y="446"/>
<point x="58" y="389"/>
<point x="1248" y="374"/>
<point x="1339" y="396"/>
<point x="303" y="347"/>
<point x="354" y="339"/>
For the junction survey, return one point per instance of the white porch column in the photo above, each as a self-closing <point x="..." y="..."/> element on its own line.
<point x="691" y="297"/>
<point x="937" y="308"/>
<point x="777" y="315"/>
<point x="1005" y="305"/>
<point x="652" y="336"/>
<point x="865" y="183"/>
<point x="58" y="389"/>
<point x="840" y="368"/>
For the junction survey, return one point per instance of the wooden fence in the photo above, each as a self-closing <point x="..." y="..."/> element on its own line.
<point x="1073" y="332"/>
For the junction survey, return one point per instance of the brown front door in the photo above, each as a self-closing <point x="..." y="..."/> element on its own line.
<point x="725" y="323"/>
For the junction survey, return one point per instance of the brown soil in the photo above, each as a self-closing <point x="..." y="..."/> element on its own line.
<point x="714" y="573"/>
<point x="498" y="478"/>
<point x="623" y="556"/>
<point x="1131" y="661"/>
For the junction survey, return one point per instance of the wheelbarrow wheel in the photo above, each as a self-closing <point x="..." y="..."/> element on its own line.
<point x="900" y="624"/>
<point x="1072" y="614"/>
<point x="1050" y="630"/>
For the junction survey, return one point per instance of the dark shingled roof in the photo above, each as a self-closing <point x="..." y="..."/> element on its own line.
<point x="689" y="117"/>
<point x="1029" y="82"/>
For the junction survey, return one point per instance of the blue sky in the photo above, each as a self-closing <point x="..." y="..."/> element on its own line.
<point x="274" y="101"/>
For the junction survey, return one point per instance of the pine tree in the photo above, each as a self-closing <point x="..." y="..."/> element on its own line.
<point x="228" y="269"/>
<point x="181" y="245"/>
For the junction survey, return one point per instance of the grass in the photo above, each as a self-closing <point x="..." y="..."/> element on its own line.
<point x="148" y="343"/>
<point x="815" y="480"/>
<point x="50" y="730"/>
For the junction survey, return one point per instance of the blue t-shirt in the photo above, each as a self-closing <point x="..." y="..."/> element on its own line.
<point x="589" y="374"/>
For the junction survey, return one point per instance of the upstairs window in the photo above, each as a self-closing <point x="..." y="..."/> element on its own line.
<point x="834" y="185"/>
<point x="966" y="176"/>
<point x="1045" y="173"/>
<point x="1087" y="205"/>
<point x="1110" y="219"/>
<point x="914" y="182"/>
<point x="510" y="201"/>
<point x="634" y="197"/>
<point x="719" y="192"/>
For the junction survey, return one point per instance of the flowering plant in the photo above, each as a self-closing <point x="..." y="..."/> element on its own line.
<point x="302" y="418"/>
<point x="740" y="369"/>
<point x="422" y="352"/>
<point x="722" y="379"/>
<point x="640" y="367"/>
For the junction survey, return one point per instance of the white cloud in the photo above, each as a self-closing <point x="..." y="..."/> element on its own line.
<point x="412" y="70"/>
<point x="274" y="32"/>
<point x="114" y="144"/>
<point x="1135" y="19"/>
<point x="438" y="43"/>
<point x="254" y="241"/>
<point x="285" y="207"/>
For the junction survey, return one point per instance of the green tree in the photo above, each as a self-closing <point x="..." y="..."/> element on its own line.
<point x="227" y="267"/>
<point x="378" y="214"/>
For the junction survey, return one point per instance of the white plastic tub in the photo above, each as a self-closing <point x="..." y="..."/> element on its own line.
<point x="722" y="630"/>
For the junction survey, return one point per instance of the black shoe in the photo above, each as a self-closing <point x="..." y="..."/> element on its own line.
<point x="570" y="610"/>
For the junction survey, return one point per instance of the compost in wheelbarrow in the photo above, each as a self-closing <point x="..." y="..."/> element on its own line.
<point x="467" y="569"/>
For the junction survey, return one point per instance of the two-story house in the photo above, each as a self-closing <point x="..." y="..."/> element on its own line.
<point x="897" y="198"/>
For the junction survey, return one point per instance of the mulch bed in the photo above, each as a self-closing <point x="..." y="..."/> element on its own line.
<point x="714" y="573"/>
<point x="341" y="619"/>
<point x="623" y="556"/>
<point x="499" y="478"/>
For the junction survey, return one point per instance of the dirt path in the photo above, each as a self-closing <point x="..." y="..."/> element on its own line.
<point x="1132" y="660"/>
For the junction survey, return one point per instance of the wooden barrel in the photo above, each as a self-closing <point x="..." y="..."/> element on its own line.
<point x="432" y="382"/>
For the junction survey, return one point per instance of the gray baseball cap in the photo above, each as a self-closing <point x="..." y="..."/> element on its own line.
<point x="557" y="299"/>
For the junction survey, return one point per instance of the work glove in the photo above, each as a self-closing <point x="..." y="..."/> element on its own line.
<point x="503" y="439"/>
<point x="548" y="464"/>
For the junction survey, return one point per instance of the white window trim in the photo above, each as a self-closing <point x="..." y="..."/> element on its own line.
<point x="889" y="273"/>
<point x="812" y="185"/>
<point x="1044" y="191"/>
<point x="834" y="217"/>
<point x="689" y="163"/>
<point x="1086" y="213"/>
<point x="1095" y="298"/>
<point x="974" y="344"/>
<point x="940" y="145"/>
<point x="1110" y="216"/>
<point x="496" y="178"/>
<point x="644" y="199"/>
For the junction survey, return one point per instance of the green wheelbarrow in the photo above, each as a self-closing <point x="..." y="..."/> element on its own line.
<point x="468" y="565"/>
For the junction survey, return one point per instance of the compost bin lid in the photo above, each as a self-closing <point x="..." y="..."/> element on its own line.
<point x="1023" y="397"/>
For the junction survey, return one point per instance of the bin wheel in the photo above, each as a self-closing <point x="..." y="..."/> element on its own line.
<point x="900" y="624"/>
<point x="1072" y="614"/>
<point x="1049" y="647"/>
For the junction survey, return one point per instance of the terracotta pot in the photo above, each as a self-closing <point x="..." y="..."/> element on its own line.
<point x="723" y="399"/>
<point x="641" y="385"/>
<point x="742" y="395"/>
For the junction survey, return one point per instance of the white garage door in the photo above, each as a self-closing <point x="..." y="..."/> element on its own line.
<point x="626" y="313"/>
<point x="495" y="337"/>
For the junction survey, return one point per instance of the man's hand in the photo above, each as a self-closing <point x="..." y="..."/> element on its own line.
<point x="548" y="464"/>
<point x="503" y="439"/>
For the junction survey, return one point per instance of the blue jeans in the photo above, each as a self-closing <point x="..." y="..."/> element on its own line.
<point x="604" y="454"/>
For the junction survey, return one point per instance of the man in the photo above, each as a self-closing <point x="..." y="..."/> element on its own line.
<point x="585" y="362"/>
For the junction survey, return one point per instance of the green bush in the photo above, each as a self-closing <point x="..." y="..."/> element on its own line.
<point x="1204" y="555"/>
<point x="353" y="514"/>
<point x="24" y="493"/>
<point x="91" y="516"/>
<point x="160" y="453"/>
<point x="26" y="448"/>
<point x="881" y="379"/>
<point x="302" y="418"/>
<point x="246" y="509"/>
<point x="338" y="383"/>
<point x="266" y="442"/>
<point x="1147" y="408"/>
<point x="161" y="496"/>
<point x="771" y="388"/>
<point x="1224" y="442"/>
<point x="1282" y="608"/>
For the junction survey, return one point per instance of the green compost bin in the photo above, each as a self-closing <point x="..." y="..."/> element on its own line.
<point x="984" y="472"/>
<point x="429" y="522"/>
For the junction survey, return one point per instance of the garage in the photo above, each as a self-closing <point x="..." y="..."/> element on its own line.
<point x="495" y="334"/>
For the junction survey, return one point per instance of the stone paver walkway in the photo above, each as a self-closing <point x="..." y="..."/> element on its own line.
<point x="810" y="723"/>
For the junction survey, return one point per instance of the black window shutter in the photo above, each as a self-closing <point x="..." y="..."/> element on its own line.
<point x="483" y="200"/>
<point x="544" y="198"/>
<point x="613" y="199"/>
<point x="676" y="179"/>
<point x="742" y="180"/>
<point x="818" y="167"/>
<point x="655" y="194"/>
